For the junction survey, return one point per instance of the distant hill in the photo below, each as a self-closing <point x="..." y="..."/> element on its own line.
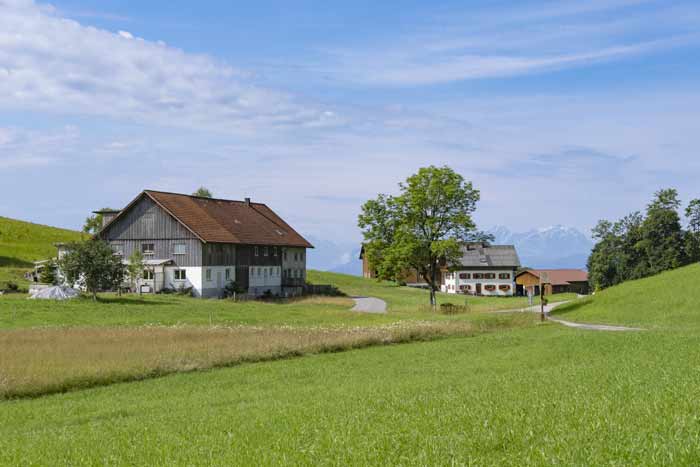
<point x="550" y="247"/>
<point x="22" y="243"/>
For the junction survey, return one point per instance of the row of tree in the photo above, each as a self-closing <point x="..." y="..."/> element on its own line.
<point x="643" y="244"/>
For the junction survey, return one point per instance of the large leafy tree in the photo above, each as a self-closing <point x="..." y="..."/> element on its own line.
<point x="692" y="243"/>
<point x="422" y="227"/>
<point x="94" y="265"/>
<point x="662" y="234"/>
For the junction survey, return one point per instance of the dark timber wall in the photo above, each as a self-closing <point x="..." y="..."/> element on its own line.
<point x="147" y="222"/>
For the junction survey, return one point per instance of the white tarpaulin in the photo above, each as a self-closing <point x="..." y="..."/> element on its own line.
<point x="55" y="293"/>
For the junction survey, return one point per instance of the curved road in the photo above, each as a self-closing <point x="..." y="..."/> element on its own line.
<point x="369" y="305"/>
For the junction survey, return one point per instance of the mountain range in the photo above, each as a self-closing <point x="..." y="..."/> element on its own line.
<point x="552" y="247"/>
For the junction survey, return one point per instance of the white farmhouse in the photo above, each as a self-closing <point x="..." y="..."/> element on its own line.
<point x="483" y="270"/>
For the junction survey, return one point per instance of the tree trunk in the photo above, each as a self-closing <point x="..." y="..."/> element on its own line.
<point x="433" y="301"/>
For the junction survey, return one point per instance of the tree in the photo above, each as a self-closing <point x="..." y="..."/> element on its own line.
<point x="93" y="264"/>
<point x="203" y="192"/>
<point x="421" y="228"/>
<point x="662" y="234"/>
<point x="135" y="268"/>
<point x="93" y="224"/>
<point x="48" y="274"/>
<point x="692" y="241"/>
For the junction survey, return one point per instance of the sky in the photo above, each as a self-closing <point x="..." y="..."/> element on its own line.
<point x="558" y="112"/>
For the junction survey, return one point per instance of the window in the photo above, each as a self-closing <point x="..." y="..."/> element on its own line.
<point x="147" y="275"/>
<point x="490" y="287"/>
<point x="118" y="249"/>
<point x="147" y="248"/>
<point x="256" y="251"/>
<point x="504" y="275"/>
<point x="264" y="251"/>
<point x="477" y="275"/>
<point x="180" y="275"/>
<point x="274" y="251"/>
<point x="504" y="288"/>
<point x="180" y="249"/>
<point x="296" y="256"/>
<point x="208" y="274"/>
<point x="228" y="274"/>
<point x="265" y="272"/>
<point x="463" y="275"/>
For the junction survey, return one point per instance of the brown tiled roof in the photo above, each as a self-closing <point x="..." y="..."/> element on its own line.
<point x="227" y="221"/>
<point x="561" y="276"/>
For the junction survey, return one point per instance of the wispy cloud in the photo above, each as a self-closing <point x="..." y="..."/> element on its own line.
<point x="521" y="41"/>
<point x="50" y="63"/>
<point x="21" y="148"/>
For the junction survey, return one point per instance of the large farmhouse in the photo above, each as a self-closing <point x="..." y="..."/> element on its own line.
<point x="483" y="270"/>
<point x="205" y="243"/>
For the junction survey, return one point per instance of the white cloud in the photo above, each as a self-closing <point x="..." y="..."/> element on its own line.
<point x="21" y="148"/>
<point x="49" y="63"/>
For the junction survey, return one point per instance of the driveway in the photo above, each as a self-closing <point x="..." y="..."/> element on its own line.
<point x="369" y="305"/>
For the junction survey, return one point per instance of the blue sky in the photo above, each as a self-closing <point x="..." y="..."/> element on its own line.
<point x="559" y="112"/>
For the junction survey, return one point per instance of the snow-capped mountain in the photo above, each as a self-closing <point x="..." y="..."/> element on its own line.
<point x="550" y="247"/>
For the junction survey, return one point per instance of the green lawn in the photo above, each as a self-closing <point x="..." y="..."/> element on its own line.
<point x="409" y="299"/>
<point x="403" y="302"/>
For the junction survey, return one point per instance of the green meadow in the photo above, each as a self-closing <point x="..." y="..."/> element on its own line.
<point x="170" y="380"/>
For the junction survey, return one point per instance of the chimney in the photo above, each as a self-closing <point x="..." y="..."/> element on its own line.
<point x="247" y="201"/>
<point x="107" y="215"/>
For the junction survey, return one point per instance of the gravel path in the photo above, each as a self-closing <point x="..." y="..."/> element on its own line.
<point x="590" y="327"/>
<point x="369" y="305"/>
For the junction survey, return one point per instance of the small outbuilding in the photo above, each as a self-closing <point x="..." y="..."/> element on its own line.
<point x="556" y="281"/>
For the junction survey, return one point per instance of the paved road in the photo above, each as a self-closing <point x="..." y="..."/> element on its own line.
<point x="369" y="305"/>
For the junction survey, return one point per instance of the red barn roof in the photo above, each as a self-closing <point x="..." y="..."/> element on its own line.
<point x="225" y="221"/>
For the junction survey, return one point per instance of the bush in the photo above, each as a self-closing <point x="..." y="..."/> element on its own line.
<point x="11" y="287"/>
<point x="232" y="290"/>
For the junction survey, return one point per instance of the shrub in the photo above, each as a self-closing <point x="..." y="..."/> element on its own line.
<point x="232" y="290"/>
<point x="452" y="309"/>
<point x="12" y="287"/>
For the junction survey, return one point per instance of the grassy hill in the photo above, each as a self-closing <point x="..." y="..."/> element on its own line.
<point x="667" y="300"/>
<point x="22" y="243"/>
